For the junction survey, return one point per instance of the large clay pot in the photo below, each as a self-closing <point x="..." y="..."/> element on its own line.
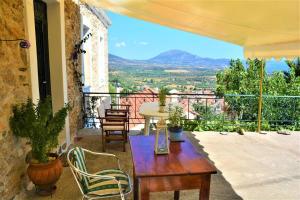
<point x="45" y="175"/>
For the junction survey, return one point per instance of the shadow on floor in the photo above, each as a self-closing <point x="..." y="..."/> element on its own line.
<point x="220" y="187"/>
<point x="68" y="190"/>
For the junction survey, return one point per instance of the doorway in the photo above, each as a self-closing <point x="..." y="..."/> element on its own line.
<point x="41" y="32"/>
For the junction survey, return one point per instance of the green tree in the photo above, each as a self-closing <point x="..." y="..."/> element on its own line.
<point x="239" y="80"/>
<point x="238" y="84"/>
<point x="294" y="66"/>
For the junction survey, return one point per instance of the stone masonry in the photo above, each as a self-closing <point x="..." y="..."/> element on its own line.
<point x="14" y="88"/>
<point x="72" y="29"/>
<point x="15" y="85"/>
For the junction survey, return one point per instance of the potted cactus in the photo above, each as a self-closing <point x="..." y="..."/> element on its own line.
<point x="41" y="127"/>
<point x="162" y="95"/>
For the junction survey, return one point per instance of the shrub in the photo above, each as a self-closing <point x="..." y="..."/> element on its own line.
<point x="39" y="125"/>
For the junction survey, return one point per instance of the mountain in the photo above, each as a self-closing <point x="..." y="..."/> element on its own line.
<point x="183" y="58"/>
<point x="116" y="61"/>
<point x="171" y="58"/>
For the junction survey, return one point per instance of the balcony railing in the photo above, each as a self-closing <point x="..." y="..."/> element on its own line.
<point x="231" y="110"/>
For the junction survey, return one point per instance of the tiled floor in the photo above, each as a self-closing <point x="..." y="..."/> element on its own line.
<point x="254" y="166"/>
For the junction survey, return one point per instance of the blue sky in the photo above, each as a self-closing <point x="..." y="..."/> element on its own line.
<point x="137" y="39"/>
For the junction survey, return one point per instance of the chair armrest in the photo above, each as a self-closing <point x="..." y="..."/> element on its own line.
<point x="82" y="173"/>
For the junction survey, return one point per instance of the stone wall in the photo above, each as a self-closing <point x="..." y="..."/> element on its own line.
<point x="14" y="88"/>
<point x="96" y="75"/>
<point x="72" y="29"/>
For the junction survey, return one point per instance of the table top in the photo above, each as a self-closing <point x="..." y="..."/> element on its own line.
<point x="150" y="109"/>
<point x="183" y="159"/>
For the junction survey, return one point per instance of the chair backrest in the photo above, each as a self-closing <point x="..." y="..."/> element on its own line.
<point x="120" y="106"/>
<point x="116" y="113"/>
<point x="76" y="157"/>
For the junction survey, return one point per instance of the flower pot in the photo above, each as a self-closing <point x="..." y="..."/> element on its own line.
<point x="162" y="109"/>
<point x="175" y="134"/>
<point x="45" y="175"/>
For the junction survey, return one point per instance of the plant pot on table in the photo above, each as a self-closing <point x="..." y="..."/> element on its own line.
<point x="175" y="134"/>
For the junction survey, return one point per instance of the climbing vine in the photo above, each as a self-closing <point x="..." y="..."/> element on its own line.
<point x="78" y="50"/>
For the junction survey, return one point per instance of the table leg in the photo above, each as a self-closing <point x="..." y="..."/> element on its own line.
<point x="205" y="187"/>
<point x="145" y="194"/>
<point x="144" y="189"/>
<point x="147" y="126"/>
<point x="135" y="187"/>
<point x="176" y="194"/>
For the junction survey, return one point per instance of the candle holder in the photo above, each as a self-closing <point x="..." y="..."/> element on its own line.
<point x="161" y="138"/>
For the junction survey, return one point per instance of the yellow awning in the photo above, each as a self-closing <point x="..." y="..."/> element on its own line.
<point x="265" y="28"/>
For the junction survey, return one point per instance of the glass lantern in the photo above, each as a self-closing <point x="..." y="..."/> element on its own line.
<point x="161" y="138"/>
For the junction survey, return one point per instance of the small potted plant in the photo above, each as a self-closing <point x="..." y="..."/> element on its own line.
<point x="162" y="95"/>
<point x="176" y="116"/>
<point x="38" y="124"/>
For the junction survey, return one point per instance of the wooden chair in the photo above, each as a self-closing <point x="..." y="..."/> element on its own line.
<point x="120" y="110"/>
<point x="119" y="113"/>
<point x="103" y="184"/>
<point x="114" y="128"/>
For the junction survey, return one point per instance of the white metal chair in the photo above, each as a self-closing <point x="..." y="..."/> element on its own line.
<point x="103" y="184"/>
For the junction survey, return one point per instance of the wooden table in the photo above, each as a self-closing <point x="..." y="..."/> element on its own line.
<point x="183" y="168"/>
<point x="150" y="110"/>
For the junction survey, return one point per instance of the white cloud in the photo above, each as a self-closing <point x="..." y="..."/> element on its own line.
<point x="120" y="44"/>
<point x="143" y="43"/>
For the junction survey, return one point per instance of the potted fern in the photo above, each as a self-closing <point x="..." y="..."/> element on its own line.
<point x="162" y="95"/>
<point x="41" y="127"/>
<point x="176" y="117"/>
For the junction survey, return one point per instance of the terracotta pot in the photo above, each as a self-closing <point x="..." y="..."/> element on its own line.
<point x="45" y="175"/>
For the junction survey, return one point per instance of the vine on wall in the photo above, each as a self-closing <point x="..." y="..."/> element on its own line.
<point x="78" y="50"/>
<point x="89" y="104"/>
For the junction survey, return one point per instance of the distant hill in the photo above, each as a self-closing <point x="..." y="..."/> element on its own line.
<point x="119" y="61"/>
<point x="182" y="59"/>
<point x="172" y="58"/>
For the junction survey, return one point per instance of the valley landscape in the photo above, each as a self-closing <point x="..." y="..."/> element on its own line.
<point x="175" y="69"/>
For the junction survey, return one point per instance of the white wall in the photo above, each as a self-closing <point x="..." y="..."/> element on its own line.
<point x="57" y="57"/>
<point x="95" y="61"/>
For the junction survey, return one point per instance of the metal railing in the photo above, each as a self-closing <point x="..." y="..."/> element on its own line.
<point x="277" y="111"/>
<point x="228" y="110"/>
<point x="92" y="100"/>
